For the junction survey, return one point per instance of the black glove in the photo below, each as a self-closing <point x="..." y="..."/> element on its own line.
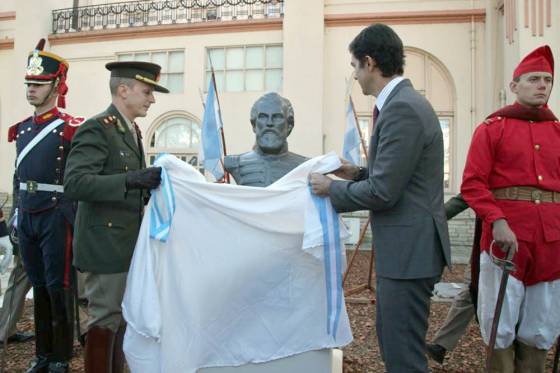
<point x="148" y="178"/>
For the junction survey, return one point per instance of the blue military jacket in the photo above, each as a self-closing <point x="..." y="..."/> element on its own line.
<point x="45" y="162"/>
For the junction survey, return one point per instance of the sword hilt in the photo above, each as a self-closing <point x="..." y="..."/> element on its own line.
<point x="505" y="264"/>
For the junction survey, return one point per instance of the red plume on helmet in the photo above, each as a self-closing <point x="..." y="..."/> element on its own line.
<point x="40" y="45"/>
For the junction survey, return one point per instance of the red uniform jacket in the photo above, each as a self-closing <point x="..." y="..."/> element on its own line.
<point x="517" y="146"/>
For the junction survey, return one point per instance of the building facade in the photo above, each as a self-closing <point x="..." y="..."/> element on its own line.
<point x="459" y="53"/>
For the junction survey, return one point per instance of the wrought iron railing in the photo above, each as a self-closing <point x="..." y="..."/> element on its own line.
<point x="153" y="13"/>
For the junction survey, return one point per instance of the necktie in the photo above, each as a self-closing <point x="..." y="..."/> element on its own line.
<point x="135" y="132"/>
<point x="375" y="115"/>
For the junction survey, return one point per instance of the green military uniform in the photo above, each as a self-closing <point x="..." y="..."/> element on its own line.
<point x="109" y="216"/>
<point x="106" y="173"/>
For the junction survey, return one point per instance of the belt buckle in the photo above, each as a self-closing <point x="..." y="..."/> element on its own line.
<point x="536" y="195"/>
<point x="511" y="193"/>
<point x="31" y="186"/>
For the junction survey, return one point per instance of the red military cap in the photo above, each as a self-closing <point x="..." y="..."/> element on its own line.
<point x="541" y="59"/>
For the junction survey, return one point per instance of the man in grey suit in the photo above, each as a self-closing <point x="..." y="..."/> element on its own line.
<point x="403" y="190"/>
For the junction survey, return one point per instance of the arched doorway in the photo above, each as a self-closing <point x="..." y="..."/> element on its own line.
<point x="177" y="133"/>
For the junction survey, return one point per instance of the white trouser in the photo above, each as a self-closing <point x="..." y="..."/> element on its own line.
<point x="534" y="310"/>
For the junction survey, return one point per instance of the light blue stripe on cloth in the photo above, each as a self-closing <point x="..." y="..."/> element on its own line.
<point x="332" y="251"/>
<point x="162" y="207"/>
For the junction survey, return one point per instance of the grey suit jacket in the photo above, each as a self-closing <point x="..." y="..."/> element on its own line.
<point x="403" y="188"/>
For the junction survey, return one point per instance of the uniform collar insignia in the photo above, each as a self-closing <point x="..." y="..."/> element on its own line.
<point x="47" y="116"/>
<point x="119" y="125"/>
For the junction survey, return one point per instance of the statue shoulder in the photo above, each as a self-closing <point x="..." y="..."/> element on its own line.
<point x="299" y="157"/>
<point x="238" y="160"/>
<point x="231" y="162"/>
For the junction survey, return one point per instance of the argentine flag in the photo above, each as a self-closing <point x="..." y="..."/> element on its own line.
<point x="211" y="152"/>
<point x="351" y="147"/>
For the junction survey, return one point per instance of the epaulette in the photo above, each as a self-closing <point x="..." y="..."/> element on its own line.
<point x="71" y="125"/>
<point x="489" y="121"/>
<point x="107" y="120"/>
<point x="111" y="120"/>
<point x="13" y="130"/>
<point x="72" y="121"/>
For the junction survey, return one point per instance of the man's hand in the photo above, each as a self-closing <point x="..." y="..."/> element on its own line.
<point x="7" y="250"/>
<point x="320" y="184"/>
<point x="504" y="236"/>
<point x="347" y="171"/>
<point x="147" y="178"/>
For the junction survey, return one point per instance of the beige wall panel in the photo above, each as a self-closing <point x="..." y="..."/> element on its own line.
<point x="304" y="63"/>
<point x="415" y="65"/>
<point x="441" y="93"/>
<point x="7" y="6"/>
<point x="368" y="6"/>
<point x="7" y="98"/>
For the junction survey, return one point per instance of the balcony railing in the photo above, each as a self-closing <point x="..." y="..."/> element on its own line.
<point x="153" y="13"/>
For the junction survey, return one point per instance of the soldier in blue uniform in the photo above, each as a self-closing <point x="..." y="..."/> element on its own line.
<point x="45" y="215"/>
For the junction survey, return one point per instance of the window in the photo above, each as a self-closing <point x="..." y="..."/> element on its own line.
<point x="178" y="135"/>
<point x="365" y="122"/>
<point x="172" y="66"/>
<point x="445" y="124"/>
<point x="246" y="68"/>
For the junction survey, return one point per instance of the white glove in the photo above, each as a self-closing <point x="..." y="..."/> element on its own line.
<point x="7" y="251"/>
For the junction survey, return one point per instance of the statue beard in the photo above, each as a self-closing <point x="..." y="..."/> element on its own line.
<point x="271" y="142"/>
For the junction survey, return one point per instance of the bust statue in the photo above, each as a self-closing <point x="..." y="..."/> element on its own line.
<point x="272" y="118"/>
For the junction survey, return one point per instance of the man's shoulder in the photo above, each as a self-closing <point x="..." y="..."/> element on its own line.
<point x="71" y="125"/>
<point x="493" y="120"/>
<point x="14" y="129"/>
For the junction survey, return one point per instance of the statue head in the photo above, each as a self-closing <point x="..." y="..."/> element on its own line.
<point x="272" y="118"/>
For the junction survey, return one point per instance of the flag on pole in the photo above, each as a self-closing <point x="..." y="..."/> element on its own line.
<point x="351" y="147"/>
<point x="211" y="153"/>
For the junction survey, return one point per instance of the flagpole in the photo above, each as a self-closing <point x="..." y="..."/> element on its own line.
<point x="362" y="141"/>
<point x="367" y="285"/>
<point x="226" y="174"/>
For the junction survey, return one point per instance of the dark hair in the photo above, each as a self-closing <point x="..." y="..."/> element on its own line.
<point x="381" y="43"/>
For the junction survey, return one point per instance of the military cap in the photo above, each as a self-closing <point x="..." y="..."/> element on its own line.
<point x="45" y="67"/>
<point x="145" y="72"/>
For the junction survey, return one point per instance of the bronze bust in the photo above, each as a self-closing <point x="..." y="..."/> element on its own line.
<point x="272" y="118"/>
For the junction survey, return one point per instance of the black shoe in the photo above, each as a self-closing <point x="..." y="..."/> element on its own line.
<point x="39" y="365"/>
<point x="436" y="352"/>
<point x="20" y="337"/>
<point x="58" y="367"/>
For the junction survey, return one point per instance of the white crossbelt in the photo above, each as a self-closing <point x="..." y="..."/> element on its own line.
<point x="38" y="187"/>
<point x="44" y="132"/>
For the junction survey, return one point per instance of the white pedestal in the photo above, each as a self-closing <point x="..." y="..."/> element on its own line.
<point x="322" y="361"/>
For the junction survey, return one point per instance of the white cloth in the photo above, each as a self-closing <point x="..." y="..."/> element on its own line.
<point x="533" y="310"/>
<point x="239" y="275"/>
<point x="7" y="251"/>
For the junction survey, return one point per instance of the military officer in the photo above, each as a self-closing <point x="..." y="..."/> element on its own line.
<point x="45" y="214"/>
<point x="272" y="118"/>
<point x="106" y="173"/>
